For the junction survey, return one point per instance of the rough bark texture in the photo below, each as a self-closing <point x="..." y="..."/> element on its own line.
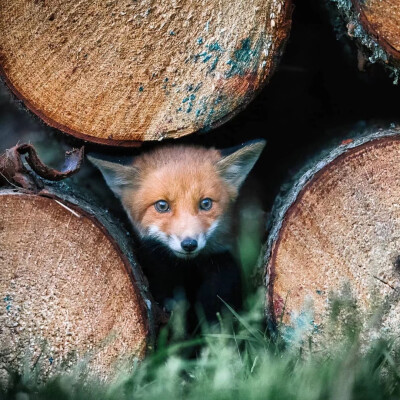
<point x="69" y="292"/>
<point x="119" y="72"/>
<point x="374" y="24"/>
<point x="337" y="231"/>
<point x="14" y="172"/>
<point x="381" y="19"/>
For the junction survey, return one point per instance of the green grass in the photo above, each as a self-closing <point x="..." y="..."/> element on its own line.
<point x="235" y="359"/>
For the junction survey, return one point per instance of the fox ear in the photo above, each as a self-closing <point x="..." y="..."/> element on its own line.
<point x="117" y="176"/>
<point x="235" y="166"/>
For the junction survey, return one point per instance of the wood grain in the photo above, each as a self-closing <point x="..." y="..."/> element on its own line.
<point x="381" y="19"/>
<point x="340" y="228"/>
<point x="119" y="72"/>
<point x="67" y="292"/>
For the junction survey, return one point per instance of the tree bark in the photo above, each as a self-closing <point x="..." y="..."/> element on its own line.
<point x="122" y="72"/>
<point x="70" y="287"/>
<point x="375" y="26"/>
<point x="337" y="232"/>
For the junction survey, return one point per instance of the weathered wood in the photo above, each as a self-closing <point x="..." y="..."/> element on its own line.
<point x="375" y="26"/>
<point x="69" y="286"/>
<point x="381" y="20"/>
<point x="120" y="72"/>
<point x="336" y="231"/>
<point x="14" y="172"/>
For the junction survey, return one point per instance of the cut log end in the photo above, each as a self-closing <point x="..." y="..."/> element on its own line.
<point x="340" y="229"/>
<point x="380" y="19"/>
<point x="374" y="25"/>
<point x="66" y="290"/>
<point x="122" y="72"/>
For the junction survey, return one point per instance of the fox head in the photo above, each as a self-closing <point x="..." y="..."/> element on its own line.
<point x="181" y="195"/>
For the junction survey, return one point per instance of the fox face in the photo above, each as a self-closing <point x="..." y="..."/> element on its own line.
<point x="181" y="196"/>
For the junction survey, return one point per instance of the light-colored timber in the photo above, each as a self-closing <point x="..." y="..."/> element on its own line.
<point x="338" y="231"/>
<point x="119" y="72"/>
<point x="67" y="291"/>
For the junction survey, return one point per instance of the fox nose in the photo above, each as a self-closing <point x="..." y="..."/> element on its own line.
<point x="189" y="244"/>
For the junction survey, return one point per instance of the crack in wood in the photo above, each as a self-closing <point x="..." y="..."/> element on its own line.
<point x="386" y="283"/>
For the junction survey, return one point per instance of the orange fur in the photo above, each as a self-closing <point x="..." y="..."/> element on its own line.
<point x="182" y="176"/>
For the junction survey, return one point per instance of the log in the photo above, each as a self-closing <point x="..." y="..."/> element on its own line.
<point x="335" y="234"/>
<point x="121" y="72"/>
<point x="67" y="290"/>
<point x="70" y="288"/>
<point x="375" y="26"/>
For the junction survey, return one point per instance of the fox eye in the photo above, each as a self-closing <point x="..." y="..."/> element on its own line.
<point x="161" y="206"/>
<point x="206" y="204"/>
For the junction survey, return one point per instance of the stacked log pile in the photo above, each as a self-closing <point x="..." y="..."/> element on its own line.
<point x="121" y="73"/>
<point x="114" y="73"/>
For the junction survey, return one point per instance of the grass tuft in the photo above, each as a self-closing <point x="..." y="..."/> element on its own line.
<point x="235" y="358"/>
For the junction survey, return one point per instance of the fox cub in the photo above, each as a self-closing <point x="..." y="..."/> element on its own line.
<point x="180" y="200"/>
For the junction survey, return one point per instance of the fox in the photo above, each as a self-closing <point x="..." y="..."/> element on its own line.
<point x="180" y="200"/>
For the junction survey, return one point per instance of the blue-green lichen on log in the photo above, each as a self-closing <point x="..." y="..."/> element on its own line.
<point x="301" y="326"/>
<point x="213" y="53"/>
<point x="7" y="299"/>
<point x="214" y="64"/>
<point x="190" y="98"/>
<point x="214" y="47"/>
<point x="245" y="58"/>
<point x="209" y="111"/>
